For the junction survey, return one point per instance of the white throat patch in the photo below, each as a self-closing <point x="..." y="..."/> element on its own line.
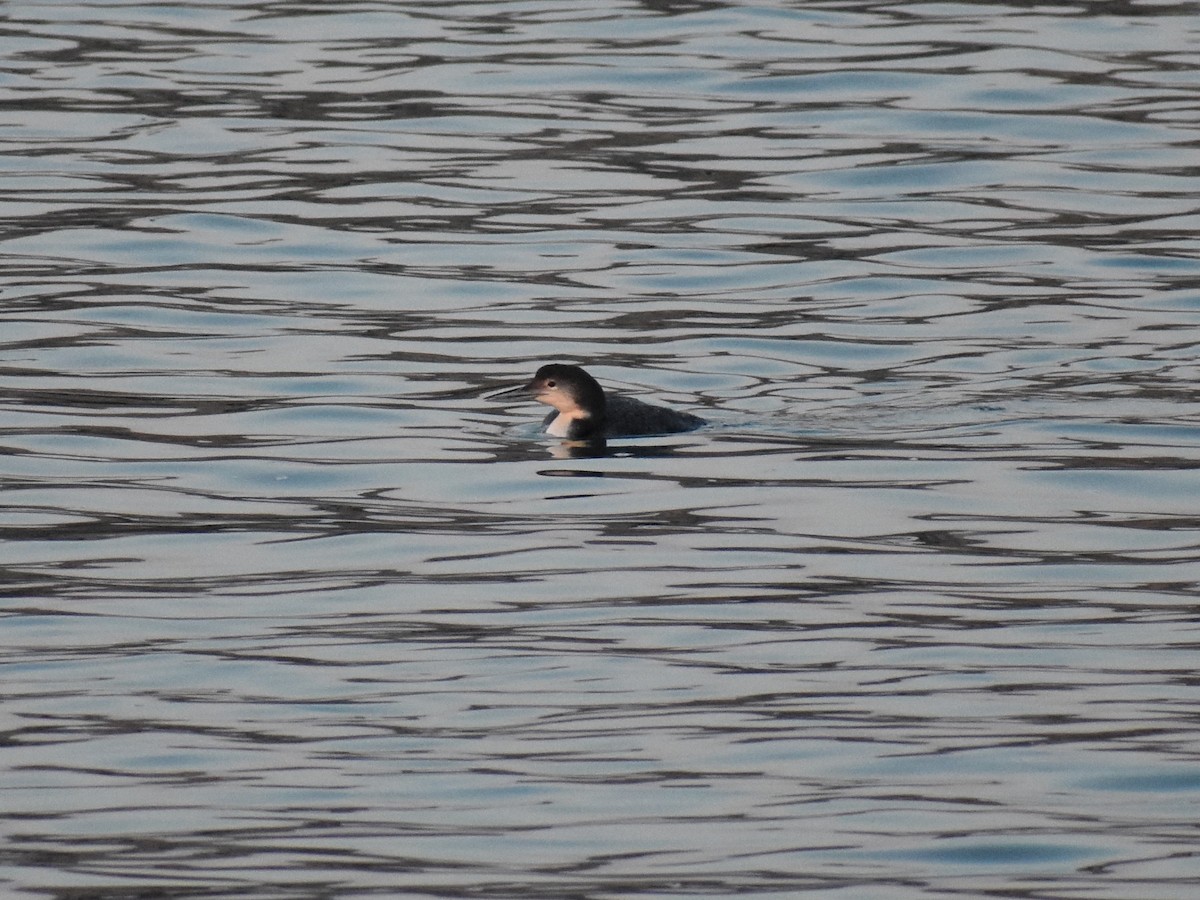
<point x="561" y="425"/>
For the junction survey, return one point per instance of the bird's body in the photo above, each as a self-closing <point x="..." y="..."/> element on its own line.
<point x="583" y="411"/>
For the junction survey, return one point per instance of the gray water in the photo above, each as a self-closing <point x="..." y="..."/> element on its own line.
<point x="293" y="609"/>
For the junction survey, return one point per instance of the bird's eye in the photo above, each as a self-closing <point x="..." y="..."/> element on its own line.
<point x="549" y="384"/>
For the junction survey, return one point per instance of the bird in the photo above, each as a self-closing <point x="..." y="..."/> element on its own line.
<point x="584" y="412"/>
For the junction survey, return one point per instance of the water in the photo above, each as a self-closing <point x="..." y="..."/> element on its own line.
<point x="292" y="610"/>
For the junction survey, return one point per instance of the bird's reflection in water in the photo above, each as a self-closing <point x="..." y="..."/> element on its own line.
<point x="579" y="449"/>
<point x="599" y="448"/>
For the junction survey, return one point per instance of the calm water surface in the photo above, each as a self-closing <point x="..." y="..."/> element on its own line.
<point x="292" y="610"/>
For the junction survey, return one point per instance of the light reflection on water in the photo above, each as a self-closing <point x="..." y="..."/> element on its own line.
<point x="293" y="610"/>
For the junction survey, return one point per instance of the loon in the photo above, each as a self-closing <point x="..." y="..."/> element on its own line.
<point x="583" y="412"/>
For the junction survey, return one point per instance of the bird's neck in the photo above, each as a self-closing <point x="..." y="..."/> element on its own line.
<point x="573" y="424"/>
